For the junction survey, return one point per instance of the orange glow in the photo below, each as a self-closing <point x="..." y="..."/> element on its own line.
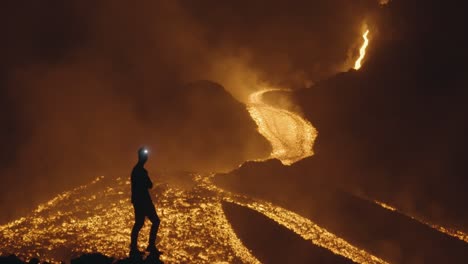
<point x="384" y="2"/>
<point x="362" y="51"/>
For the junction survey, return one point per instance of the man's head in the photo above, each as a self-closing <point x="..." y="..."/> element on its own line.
<point x="143" y="155"/>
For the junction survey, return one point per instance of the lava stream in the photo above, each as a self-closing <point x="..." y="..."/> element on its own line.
<point x="362" y="51"/>
<point x="290" y="135"/>
<point x="296" y="223"/>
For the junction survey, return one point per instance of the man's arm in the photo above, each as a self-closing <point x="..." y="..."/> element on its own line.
<point x="149" y="183"/>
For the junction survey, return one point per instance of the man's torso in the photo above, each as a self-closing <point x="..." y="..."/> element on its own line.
<point x="140" y="187"/>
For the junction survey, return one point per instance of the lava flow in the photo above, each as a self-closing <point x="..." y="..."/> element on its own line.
<point x="98" y="217"/>
<point x="290" y="135"/>
<point x="362" y="51"/>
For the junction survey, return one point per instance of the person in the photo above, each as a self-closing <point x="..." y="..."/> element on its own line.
<point x="143" y="205"/>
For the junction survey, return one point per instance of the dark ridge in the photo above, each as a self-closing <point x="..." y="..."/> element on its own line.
<point x="93" y="258"/>
<point x="386" y="234"/>
<point x="272" y="243"/>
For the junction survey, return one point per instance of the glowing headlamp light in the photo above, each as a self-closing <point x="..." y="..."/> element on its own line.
<point x="145" y="151"/>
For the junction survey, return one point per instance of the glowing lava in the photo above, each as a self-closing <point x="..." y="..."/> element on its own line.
<point x="362" y="51"/>
<point x="98" y="218"/>
<point x="291" y="136"/>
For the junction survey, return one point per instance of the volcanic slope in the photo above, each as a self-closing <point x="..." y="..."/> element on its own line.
<point x="98" y="217"/>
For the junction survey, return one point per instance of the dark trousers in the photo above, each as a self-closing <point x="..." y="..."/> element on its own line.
<point x="142" y="211"/>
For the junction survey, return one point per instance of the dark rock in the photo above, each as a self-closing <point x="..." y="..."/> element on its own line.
<point x="273" y="243"/>
<point x="11" y="259"/>
<point x="94" y="258"/>
<point x="34" y="261"/>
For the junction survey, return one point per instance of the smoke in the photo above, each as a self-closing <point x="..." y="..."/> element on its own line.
<point x="384" y="2"/>
<point x="84" y="84"/>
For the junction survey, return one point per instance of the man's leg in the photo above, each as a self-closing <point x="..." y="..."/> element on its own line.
<point x="139" y="222"/>
<point x="155" y="221"/>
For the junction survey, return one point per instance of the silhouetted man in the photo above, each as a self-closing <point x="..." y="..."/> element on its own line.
<point x="143" y="204"/>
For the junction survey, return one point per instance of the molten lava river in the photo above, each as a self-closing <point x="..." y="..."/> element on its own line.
<point x="98" y="217"/>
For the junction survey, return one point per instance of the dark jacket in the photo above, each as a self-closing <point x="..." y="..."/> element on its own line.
<point x="141" y="184"/>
